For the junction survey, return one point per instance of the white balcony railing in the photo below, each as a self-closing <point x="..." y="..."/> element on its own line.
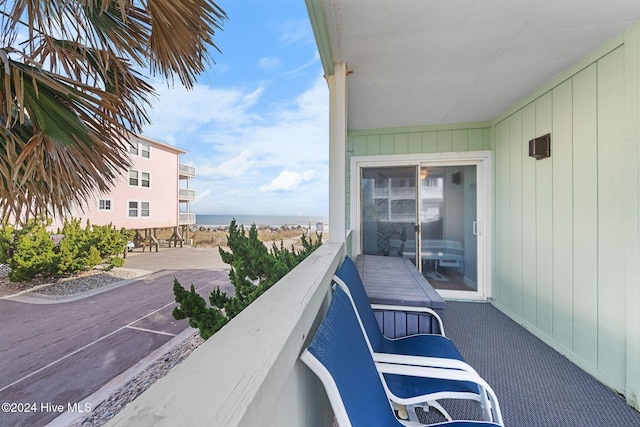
<point x="186" y="194"/>
<point x="186" y="171"/>
<point x="186" y="218"/>
<point x="249" y="373"/>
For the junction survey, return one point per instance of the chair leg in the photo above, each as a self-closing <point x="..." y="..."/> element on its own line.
<point x="487" y="407"/>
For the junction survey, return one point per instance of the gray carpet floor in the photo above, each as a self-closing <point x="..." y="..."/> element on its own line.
<point x="536" y="386"/>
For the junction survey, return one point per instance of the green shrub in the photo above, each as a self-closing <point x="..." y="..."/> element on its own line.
<point x="254" y="269"/>
<point x="115" y="261"/>
<point x="107" y="239"/>
<point x="31" y="251"/>
<point x="6" y="243"/>
<point x="208" y="320"/>
<point x="73" y="249"/>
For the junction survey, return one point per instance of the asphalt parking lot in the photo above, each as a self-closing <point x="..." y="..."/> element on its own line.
<point x="57" y="356"/>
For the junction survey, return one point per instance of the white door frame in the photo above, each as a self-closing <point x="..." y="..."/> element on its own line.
<point x="482" y="159"/>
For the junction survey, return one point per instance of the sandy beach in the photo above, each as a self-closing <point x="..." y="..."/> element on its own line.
<point x="213" y="236"/>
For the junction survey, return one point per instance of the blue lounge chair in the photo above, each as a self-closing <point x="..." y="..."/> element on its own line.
<point x="339" y="356"/>
<point x="422" y="349"/>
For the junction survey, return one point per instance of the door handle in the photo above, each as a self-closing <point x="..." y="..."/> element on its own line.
<point x="475" y="228"/>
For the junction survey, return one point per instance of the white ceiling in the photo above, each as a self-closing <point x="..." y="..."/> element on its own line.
<point x="422" y="62"/>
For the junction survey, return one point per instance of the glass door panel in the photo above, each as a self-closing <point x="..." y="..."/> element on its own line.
<point x="448" y="224"/>
<point x="389" y="211"/>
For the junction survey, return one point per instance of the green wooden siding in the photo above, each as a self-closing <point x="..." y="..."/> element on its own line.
<point x="566" y="230"/>
<point x="559" y="222"/>
<point x="464" y="137"/>
<point x="611" y="219"/>
<point x="384" y="141"/>
<point x="585" y="215"/>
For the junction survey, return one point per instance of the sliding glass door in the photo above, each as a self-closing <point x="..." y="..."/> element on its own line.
<point x="431" y="212"/>
<point x="448" y="223"/>
<point x="389" y="211"/>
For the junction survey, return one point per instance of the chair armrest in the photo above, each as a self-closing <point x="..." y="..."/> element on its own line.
<point x="411" y="309"/>
<point x="444" y="374"/>
<point x="431" y="372"/>
<point x="434" y="362"/>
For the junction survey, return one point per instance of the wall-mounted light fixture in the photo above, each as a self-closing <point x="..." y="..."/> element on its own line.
<point x="540" y="147"/>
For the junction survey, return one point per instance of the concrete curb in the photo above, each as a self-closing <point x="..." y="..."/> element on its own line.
<point x="30" y="297"/>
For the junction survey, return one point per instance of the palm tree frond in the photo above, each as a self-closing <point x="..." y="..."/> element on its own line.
<point x="182" y="31"/>
<point x="70" y="94"/>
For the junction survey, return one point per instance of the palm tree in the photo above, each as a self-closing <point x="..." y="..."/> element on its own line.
<point x="71" y="91"/>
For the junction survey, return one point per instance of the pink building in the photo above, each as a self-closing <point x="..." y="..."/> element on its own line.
<point x="153" y="194"/>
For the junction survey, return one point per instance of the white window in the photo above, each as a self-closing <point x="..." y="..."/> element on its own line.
<point x="133" y="209"/>
<point x="141" y="149"/>
<point x="104" y="205"/>
<point x="139" y="209"/>
<point x="133" y="178"/>
<point x="145" y="179"/>
<point x="139" y="179"/>
<point x="145" y="150"/>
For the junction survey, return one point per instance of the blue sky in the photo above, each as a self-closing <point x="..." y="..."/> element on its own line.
<point x="256" y="124"/>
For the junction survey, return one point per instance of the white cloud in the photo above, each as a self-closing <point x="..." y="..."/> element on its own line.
<point x="295" y="30"/>
<point x="252" y="155"/>
<point x="287" y="181"/>
<point x="308" y="175"/>
<point x="231" y="168"/>
<point x="269" y="63"/>
<point x="179" y="112"/>
<point x="202" y="195"/>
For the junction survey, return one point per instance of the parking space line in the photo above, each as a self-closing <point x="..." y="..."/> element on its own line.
<point x="150" y="330"/>
<point x="66" y="356"/>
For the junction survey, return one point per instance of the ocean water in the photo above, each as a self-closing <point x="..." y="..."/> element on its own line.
<point x="248" y="220"/>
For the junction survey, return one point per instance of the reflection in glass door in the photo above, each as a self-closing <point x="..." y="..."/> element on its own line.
<point x="432" y="209"/>
<point x="389" y="211"/>
<point x="448" y="223"/>
<point x="447" y="246"/>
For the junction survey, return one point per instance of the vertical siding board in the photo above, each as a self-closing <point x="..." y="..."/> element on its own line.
<point x="497" y="233"/>
<point x="632" y="180"/>
<point x="611" y="206"/>
<point x="516" y="213"/>
<point x="476" y="140"/>
<point x="487" y="139"/>
<point x="445" y="141"/>
<point x="374" y="145"/>
<point x="360" y="145"/>
<point x="544" y="229"/>
<point x="529" y="253"/>
<point x="429" y="142"/>
<point x="562" y="137"/>
<point x="505" y="212"/>
<point x="401" y="143"/>
<point x="585" y="216"/>
<point x="460" y="140"/>
<point x="415" y="142"/>
<point x="386" y="144"/>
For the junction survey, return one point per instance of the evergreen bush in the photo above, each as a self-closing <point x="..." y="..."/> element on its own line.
<point x="254" y="269"/>
<point x="31" y="251"/>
